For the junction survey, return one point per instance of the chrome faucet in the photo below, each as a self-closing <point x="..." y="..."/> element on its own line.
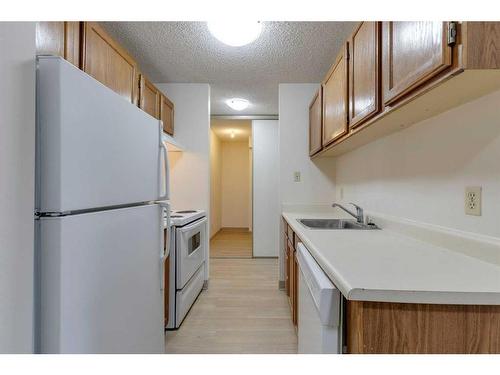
<point x="358" y="215"/>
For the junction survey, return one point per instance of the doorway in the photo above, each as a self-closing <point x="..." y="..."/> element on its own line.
<point x="231" y="191"/>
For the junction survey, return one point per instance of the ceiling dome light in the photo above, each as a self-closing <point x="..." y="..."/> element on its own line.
<point x="237" y="104"/>
<point x="235" y="33"/>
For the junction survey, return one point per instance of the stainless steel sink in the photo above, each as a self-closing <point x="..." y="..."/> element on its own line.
<point x="335" y="224"/>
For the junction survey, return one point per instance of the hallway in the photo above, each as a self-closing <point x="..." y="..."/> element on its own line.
<point x="231" y="243"/>
<point x="241" y="312"/>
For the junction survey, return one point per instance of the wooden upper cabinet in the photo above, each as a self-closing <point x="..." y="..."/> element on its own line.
<point x="364" y="73"/>
<point x="109" y="63"/>
<point x="149" y="97"/>
<point x="315" y="117"/>
<point x="335" y="100"/>
<point x="167" y="114"/>
<point x="59" y="39"/>
<point x="413" y="53"/>
<point x="50" y="38"/>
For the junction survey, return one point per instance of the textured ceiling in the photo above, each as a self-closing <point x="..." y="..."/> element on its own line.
<point x="186" y="52"/>
<point x="222" y="128"/>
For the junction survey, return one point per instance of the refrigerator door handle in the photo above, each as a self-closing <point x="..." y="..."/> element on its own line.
<point x="166" y="249"/>
<point x="164" y="179"/>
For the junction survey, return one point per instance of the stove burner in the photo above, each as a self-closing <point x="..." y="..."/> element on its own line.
<point x="185" y="212"/>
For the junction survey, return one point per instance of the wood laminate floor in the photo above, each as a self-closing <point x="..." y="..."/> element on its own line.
<point x="243" y="311"/>
<point x="231" y="243"/>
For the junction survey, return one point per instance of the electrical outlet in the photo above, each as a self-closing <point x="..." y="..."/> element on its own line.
<point x="296" y="176"/>
<point x="473" y="200"/>
<point x="341" y="193"/>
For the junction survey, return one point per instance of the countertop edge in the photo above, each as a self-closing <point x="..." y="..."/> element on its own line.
<point x="352" y="293"/>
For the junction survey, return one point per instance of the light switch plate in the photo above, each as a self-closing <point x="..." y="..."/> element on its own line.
<point x="473" y="200"/>
<point x="296" y="176"/>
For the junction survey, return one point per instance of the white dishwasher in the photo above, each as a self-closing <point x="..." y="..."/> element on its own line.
<point x="319" y="329"/>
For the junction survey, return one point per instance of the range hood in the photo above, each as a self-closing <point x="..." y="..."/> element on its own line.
<point x="172" y="144"/>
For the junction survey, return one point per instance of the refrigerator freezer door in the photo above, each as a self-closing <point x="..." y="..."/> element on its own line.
<point x="95" y="149"/>
<point x="101" y="282"/>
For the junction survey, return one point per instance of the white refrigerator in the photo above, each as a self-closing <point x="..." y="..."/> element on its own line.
<point x="102" y="188"/>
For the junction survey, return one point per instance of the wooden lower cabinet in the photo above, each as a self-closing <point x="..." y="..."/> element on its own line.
<point x="295" y="300"/>
<point x="287" y="266"/>
<point x="291" y="270"/>
<point x="404" y="328"/>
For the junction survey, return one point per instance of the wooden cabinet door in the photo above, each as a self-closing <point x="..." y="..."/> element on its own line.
<point x="315" y="117"/>
<point x="50" y="38"/>
<point x="364" y="75"/>
<point x="287" y="266"/>
<point x="59" y="39"/>
<point x="291" y="279"/>
<point x="335" y="100"/>
<point x="167" y="114"/>
<point x="413" y="53"/>
<point x="149" y="97"/>
<point x="109" y="63"/>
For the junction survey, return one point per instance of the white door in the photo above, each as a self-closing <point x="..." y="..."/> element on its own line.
<point x="95" y="149"/>
<point x="190" y="250"/>
<point x="266" y="209"/>
<point x="101" y="282"/>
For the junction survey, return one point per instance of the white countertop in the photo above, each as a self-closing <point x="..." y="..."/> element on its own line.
<point x="391" y="266"/>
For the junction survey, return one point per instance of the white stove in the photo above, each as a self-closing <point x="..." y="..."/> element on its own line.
<point x="188" y="266"/>
<point x="183" y="217"/>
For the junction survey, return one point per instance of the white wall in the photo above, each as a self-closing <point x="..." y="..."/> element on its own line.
<point x="17" y="169"/>
<point x="317" y="177"/>
<point x="190" y="169"/>
<point x="235" y="184"/>
<point x="420" y="173"/>
<point x="215" y="183"/>
<point x="266" y="207"/>
<point x="317" y="185"/>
